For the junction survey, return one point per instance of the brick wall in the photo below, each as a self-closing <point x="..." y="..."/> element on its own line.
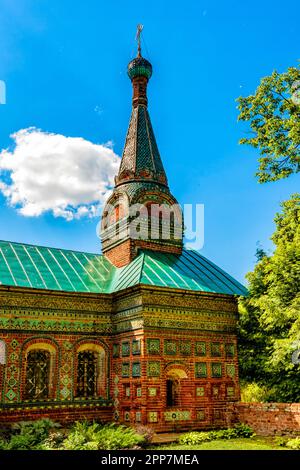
<point x="121" y="255"/>
<point x="60" y="413"/>
<point x="125" y="252"/>
<point x="267" y="419"/>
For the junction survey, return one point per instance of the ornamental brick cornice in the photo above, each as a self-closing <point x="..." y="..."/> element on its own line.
<point x="35" y="298"/>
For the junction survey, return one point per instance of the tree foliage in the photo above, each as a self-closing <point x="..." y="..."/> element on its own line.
<point x="274" y="116"/>
<point x="269" y="327"/>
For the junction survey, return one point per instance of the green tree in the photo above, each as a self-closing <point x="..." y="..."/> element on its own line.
<point x="273" y="113"/>
<point x="269" y="329"/>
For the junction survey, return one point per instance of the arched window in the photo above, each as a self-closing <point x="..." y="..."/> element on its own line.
<point x="87" y="374"/>
<point x="37" y="374"/>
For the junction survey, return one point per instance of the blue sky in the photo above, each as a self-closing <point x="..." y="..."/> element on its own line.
<point x="64" y="65"/>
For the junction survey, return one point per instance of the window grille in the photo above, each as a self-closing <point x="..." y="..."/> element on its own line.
<point x="37" y="374"/>
<point x="87" y="374"/>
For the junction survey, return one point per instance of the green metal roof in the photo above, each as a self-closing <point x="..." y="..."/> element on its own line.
<point x="72" y="271"/>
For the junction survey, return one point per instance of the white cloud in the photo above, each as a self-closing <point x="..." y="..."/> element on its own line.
<point x="68" y="176"/>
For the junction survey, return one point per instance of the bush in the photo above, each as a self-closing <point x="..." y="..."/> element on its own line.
<point x="252" y="392"/>
<point x="146" y="432"/>
<point x="243" y="430"/>
<point x="29" y="435"/>
<point x="3" y="444"/>
<point x="294" y="443"/>
<point x="84" y="436"/>
<point x="280" y="441"/>
<point x="194" y="438"/>
<point x="54" y="441"/>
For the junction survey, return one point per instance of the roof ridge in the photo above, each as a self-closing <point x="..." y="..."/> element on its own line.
<point x="142" y="266"/>
<point x="147" y="118"/>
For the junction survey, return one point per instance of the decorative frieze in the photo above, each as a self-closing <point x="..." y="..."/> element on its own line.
<point x="177" y="415"/>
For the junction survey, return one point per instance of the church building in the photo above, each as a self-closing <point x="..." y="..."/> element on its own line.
<point x="144" y="333"/>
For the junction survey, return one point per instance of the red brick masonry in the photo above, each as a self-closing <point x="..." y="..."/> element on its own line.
<point x="268" y="419"/>
<point x="64" y="415"/>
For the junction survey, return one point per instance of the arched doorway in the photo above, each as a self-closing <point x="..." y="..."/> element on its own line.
<point x="174" y="377"/>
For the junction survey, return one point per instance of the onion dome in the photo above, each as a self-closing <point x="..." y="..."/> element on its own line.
<point x="139" y="67"/>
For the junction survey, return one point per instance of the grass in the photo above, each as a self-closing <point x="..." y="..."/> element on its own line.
<point x="254" y="443"/>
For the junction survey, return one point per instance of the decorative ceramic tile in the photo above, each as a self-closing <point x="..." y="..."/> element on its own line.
<point x="13" y="356"/>
<point x="170" y="347"/>
<point x="136" y="369"/>
<point x="229" y="349"/>
<point x="177" y="415"/>
<point x="217" y="415"/>
<point x="185" y="348"/>
<point x="125" y="369"/>
<point x="215" y="391"/>
<point x="216" y="369"/>
<point x="230" y="370"/>
<point x="153" y="369"/>
<point x="10" y="395"/>
<point x="65" y="392"/>
<point x="67" y="356"/>
<point x="230" y="392"/>
<point x="127" y="391"/>
<point x="215" y="349"/>
<point x="153" y="346"/>
<point x="139" y="392"/>
<point x="152" y="417"/>
<point x="66" y="368"/>
<point x="125" y="349"/>
<point x="12" y="382"/>
<point x="138" y="416"/>
<point x="66" y="380"/>
<point x="136" y="346"/>
<point x="200" y="391"/>
<point x="68" y="345"/>
<point x="12" y="369"/>
<point x="200" y="369"/>
<point x="152" y="391"/>
<point x="116" y="350"/>
<point x="201" y="415"/>
<point x="126" y="415"/>
<point x="14" y="344"/>
<point x="200" y="348"/>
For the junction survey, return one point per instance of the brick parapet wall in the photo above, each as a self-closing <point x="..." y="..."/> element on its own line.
<point x="267" y="419"/>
